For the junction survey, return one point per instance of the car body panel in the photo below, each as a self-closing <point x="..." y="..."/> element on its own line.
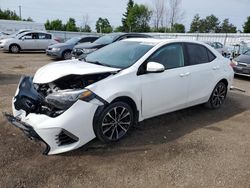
<point x="71" y="67"/>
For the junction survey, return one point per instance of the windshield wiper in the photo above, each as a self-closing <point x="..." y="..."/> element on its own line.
<point x="82" y="58"/>
<point x="95" y="62"/>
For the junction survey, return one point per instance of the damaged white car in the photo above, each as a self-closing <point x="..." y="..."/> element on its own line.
<point x="67" y="104"/>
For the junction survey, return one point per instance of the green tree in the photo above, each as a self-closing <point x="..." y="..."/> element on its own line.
<point x="9" y="15"/>
<point x="103" y="26"/>
<point x="227" y="27"/>
<point x="55" y="25"/>
<point x="246" y="26"/>
<point x="71" y="25"/>
<point x="86" y="28"/>
<point x="119" y="29"/>
<point x="212" y="24"/>
<point x="125" y="26"/>
<point x="178" y="28"/>
<point x="195" y="24"/>
<point x="29" y="19"/>
<point x="138" y="18"/>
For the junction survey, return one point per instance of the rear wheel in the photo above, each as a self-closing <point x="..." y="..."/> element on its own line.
<point x="67" y="55"/>
<point x="14" y="48"/>
<point x="114" y="122"/>
<point x="218" y="96"/>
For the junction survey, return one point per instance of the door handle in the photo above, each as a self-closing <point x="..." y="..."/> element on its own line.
<point x="185" y="74"/>
<point x="216" y="68"/>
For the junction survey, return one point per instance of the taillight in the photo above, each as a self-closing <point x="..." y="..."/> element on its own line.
<point x="57" y="39"/>
<point x="233" y="63"/>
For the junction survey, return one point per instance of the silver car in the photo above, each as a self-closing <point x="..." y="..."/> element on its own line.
<point x="220" y="48"/>
<point x="32" y="40"/>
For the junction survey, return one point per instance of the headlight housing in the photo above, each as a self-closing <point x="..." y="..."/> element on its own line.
<point x="55" y="49"/>
<point x="89" y="50"/>
<point x="66" y="98"/>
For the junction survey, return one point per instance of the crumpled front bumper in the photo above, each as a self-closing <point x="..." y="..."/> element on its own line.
<point x="28" y="130"/>
<point x="68" y="131"/>
<point x="77" y="122"/>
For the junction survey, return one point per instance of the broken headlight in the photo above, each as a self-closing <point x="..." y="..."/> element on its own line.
<point x="66" y="98"/>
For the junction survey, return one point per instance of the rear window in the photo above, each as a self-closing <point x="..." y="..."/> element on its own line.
<point x="198" y="54"/>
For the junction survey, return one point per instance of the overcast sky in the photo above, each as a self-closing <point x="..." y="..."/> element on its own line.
<point x="40" y="11"/>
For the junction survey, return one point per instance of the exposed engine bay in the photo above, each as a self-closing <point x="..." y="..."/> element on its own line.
<point x="53" y="98"/>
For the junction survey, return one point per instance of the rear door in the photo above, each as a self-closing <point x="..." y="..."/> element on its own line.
<point x="44" y="40"/>
<point x="202" y="66"/>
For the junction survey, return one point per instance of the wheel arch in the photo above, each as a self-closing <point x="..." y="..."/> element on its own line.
<point x="66" y="50"/>
<point x="12" y="44"/>
<point x="224" y="80"/>
<point x="127" y="100"/>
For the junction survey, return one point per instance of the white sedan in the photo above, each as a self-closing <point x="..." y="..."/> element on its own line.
<point x="67" y="104"/>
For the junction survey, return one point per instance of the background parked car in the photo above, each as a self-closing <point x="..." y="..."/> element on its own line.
<point x="3" y="34"/>
<point x="84" y="49"/>
<point x="242" y="64"/>
<point x="63" y="50"/>
<point x="33" y="40"/>
<point x="14" y="34"/>
<point x="220" y="48"/>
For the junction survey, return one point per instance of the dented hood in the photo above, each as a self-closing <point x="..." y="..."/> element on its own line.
<point x="54" y="71"/>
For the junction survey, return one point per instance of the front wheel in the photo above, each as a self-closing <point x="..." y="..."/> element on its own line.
<point x="67" y="55"/>
<point x="114" y="122"/>
<point x="218" y="96"/>
<point x="14" y="48"/>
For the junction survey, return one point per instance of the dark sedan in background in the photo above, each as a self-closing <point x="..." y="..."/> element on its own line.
<point x="63" y="50"/>
<point x="242" y="64"/>
<point x="85" y="49"/>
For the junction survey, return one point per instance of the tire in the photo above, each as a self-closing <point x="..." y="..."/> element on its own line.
<point x="14" y="48"/>
<point x="218" y="96"/>
<point x="114" y="122"/>
<point x="67" y="55"/>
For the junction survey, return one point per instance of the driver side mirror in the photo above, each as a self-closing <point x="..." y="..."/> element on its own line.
<point x="154" y="67"/>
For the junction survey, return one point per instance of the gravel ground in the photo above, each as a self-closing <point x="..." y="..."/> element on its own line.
<point x="195" y="147"/>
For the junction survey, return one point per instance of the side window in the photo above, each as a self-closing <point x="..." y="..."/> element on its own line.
<point x="211" y="56"/>
<point x="41" y="36"/>
<point x="35" y="36"/>
<point x="93" y="39"/>
<point x="27" y="36"/>
<point x="219" y="45"/>
<point x="48" y="36"/>
<point x="171" y="56"/>
<point x="44" y="36"/>
<point x="87" y="39"/>
<point x="197" y="54"/>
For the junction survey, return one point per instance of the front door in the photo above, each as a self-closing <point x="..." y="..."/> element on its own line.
<point x="166" y="91"/>
<point x="28" y="42"/>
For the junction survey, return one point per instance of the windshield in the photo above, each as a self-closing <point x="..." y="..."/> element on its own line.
<point x="247" y="52"/>
<point x="121" y="54"/>
<point x="107" y="39"/>
<point x="73" y="40"/>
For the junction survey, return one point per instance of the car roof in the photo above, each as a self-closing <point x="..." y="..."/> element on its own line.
<point x="159" y="41"/>
<point x="35" y="31"/>
<point x="84" y="36"/>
